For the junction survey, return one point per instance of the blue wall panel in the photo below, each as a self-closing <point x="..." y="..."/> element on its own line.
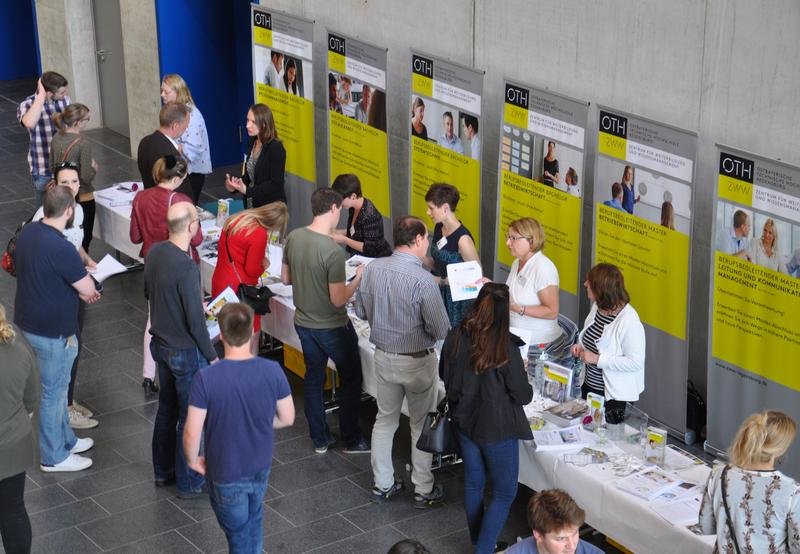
<point x="18" y="44"/>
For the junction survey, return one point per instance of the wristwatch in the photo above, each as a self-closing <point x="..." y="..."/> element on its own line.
<point x="522" y="310"/>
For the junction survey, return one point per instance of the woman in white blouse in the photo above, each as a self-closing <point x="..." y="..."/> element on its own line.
<point x="532" y="282"/>
<point x="193" y="142"/>
<point x="764" y="251"/>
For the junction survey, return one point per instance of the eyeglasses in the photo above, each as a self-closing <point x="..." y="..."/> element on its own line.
<point x="512" y="237"/>
<point x="67" y="165"/>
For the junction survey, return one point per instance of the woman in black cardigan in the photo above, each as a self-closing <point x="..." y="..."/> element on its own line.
<point x="487" y="386"/>
<point x="265" y="164"/>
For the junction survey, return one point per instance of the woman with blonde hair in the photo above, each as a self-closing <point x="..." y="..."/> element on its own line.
<point x="68" y="146"/>
<point x="242" y="251"/>
<point x="748" y="504"/>
<point x="193" y="142"/>
<point x="265" y="163"/>
<point x="764" y="251"/>
<point x="19" y="398"/>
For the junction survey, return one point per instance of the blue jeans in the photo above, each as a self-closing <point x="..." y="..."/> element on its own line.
<point x="239" y="507"/>
<point x="176" y="369"/>
<point x="55" y="357"/>
<point x="340" y="344"/>
<point x="501" y="461"/>
<point x="39" y="184"/>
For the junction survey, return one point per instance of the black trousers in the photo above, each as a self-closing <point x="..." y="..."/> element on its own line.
<point x="196" y="181"/>
<point x="88" y="223"/>
<point x="15" y="526"/>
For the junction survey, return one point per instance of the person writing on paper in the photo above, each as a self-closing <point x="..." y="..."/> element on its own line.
<point x="616" y="197"/>
<point x="452" y="243"/>
<point x="273" y="76"/>
<point x="242" y="252"/>
<point x="364" y="232"/>
<point x="487" y="386"/>
<point x="550" y="176"/>
<point x="764" y="251"/>
<point x="738" y="239"/>
<point x="449" y="138"/>
<point x="611" y="343"/>
<point x="265" y="163"/>
<point x="763" y="504"/>
<point x="418" y="128"/>
<point x="532" y="282"/>
<point x="629" y="198"/>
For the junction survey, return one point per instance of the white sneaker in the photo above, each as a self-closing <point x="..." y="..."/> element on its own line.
<point x="82" y="445"/>
<point x="81" y="409"/>
<point x="72" y="463"/>
<point x="79" y="421"/>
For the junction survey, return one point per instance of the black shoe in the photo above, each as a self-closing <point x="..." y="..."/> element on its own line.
<point x="168" y="482"/>
<point x="423" y="501"/>
<point x="149" y="386"/>
<point x="389" y="493"/>
<point x="361" y="447"/>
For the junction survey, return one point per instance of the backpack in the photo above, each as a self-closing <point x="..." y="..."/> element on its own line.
<point x="11" y="248"/>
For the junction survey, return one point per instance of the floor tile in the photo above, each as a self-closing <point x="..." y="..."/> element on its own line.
<point x="68" y="541"/>
<point x="434" y="522"/>
<point x="170" y="542"/>
<point x="118" y="425"/>
<point x="133" y="496"/>
<point x="311" y="536"/>
<point x="454" y="543"/>
<point x="110" y="479"/>
<point x="378" y="541"/>
<point x="137" y="447"/>
<point x="103" y="458"/>
<point x="69" y="515"/>
<point x="208" y="536"/>
<point x="320" y="502"/>
<point x="44" y="498"/>
<point x="309" y="472"/>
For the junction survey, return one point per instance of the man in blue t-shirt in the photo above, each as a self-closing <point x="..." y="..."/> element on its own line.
<point x="240" y="399"/>
<point x="555" y="519"/>
<point x="51" y="281"/>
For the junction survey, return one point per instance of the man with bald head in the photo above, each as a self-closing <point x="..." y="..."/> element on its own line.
<point x="180" y="344"/>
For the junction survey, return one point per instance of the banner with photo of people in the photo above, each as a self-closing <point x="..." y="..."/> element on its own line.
<point x="283" y="80"/>
<point x="357" y="140"/>
<point x="755" y="294"/>
<point x="643" y="184"/>
<point x="540" y="175"/>
<point x="445" y="114"/>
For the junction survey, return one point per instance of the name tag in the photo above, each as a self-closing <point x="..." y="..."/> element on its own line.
<point x="441" y="243"/>
<point x="352" y="230"/>
<point x="522" y="280"/>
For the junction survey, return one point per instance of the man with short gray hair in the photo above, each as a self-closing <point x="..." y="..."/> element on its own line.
<point x="173" y="119"/>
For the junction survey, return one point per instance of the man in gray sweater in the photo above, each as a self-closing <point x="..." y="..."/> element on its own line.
<point x="180" y="344"/>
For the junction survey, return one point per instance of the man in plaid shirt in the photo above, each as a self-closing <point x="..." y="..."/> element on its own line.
<point x="35" y="113"/>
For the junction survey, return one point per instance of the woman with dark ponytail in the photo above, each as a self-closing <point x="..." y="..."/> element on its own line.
<point x="487" y="386"/>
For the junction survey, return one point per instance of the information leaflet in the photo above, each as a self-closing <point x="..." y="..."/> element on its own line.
<point x="642" y="205"/>
<point x="357" y="139"/>
<point x="540" y="175"/>
<point x="755" y="296"/>
<point x="445" y="142"/>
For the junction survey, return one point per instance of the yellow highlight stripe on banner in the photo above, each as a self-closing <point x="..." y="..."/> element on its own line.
<point x="754" y="319"/>
<point x="735" y="190"/>
<point x="294" y="120"/>
<point x="612" y="145"/>
<point x="421" y="84"/>
<point x="514" y="115"/>
<point x="262" y="36"/>
<point x="336" y="62"/>
<point x="655" y="263"/>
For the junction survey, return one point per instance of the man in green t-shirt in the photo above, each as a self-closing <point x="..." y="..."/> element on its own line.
<point x="315" y="267"/>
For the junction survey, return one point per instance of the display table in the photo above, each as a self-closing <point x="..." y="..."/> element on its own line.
<point x="112" y="219"/>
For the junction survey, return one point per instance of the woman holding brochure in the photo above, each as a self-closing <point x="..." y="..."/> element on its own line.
<point x="486" y="388"/>
<point x="242" y="251"/>
<point x="452" y="243"/>
<point x="748" y="504"/>
<point x="611" y="343"/>
<point x="364" y="232"/>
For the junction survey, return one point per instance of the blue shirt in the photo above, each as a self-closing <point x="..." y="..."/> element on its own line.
<point x="735" y="244"/>
<point x="454" y="145"/>
<point x="241" y="398"/>
<point x="628" y="198"/>
<point x="615" y="204"/>
<point x="46" y="303"/>
<point x="528" y="546"/>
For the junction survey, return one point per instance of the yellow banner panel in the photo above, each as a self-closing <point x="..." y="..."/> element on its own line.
<point x="421" y="84"/>
<point x="754" y="319"/>
<point x="611" y="145"/>
<point x="655" y="263"/>
<point x="514" y="115"/>
<point x="431" y="163"/>
<point x="735" y="190"/>
<point x="294" y="120"/>
<point x="558" y="212"/>
<point x="336" y="62"/>
<point x="262" y="36"/>
<point x="363" y="150"/>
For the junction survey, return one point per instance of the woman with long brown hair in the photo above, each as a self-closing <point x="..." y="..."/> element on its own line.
<point x="265" y="163"/>
<point x="487" y="387"/>
<point x="241" y="252"/>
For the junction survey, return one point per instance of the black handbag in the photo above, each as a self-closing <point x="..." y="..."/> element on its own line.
<point x="438" y="435"/>
<point x="255" y="297"/>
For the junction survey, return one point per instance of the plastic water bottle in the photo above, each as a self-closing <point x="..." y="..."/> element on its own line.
<point x="577" y="369"/>
<point x="538" y="373"/>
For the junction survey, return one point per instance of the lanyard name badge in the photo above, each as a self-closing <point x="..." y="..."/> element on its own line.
<point x="441" y="243"/>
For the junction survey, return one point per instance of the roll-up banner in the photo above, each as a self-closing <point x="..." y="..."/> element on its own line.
<point x="283" y="80"/>
<point x="643" y="183"/>
<point x="540" y="175"/>
<point x="357" y="116"/>
<point x="755" y="296"/>
<point x="445" y="121"/>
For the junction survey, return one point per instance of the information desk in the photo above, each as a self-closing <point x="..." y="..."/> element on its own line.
<point x="622" y="517"/>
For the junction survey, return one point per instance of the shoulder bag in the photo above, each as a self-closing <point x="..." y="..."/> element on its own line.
<point x="438" y="435"/>
<point x="255" y="297"/>
<point x="727" y="511"/>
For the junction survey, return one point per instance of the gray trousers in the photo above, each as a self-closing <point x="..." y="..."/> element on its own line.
<point x="416" y="380"/>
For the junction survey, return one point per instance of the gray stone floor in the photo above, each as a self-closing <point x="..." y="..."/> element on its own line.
<point x="318" y="503"/>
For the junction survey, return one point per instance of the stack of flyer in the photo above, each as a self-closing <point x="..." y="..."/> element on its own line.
<point x="559" y="439"/>
<point x="649" y="483"/>
<point x="568" y="413"/>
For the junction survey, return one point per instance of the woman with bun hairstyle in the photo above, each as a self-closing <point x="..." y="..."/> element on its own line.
<point x="748" y="504"/>
<point x="69" y="146"/>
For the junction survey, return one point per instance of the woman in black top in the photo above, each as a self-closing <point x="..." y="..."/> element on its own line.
<point x="364" y="232"/>
<point x="487" y="387"/>
<point x="265" y="164"/>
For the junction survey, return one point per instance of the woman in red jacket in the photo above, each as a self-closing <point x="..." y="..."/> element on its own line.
<point x="243" y="242"/>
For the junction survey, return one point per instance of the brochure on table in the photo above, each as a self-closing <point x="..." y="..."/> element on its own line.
<point x="559" y="439"/>
<point x="214" y="306"/>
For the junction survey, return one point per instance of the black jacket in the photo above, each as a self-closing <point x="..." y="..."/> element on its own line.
<point x="267" y="185"/>
<point x="151" y="148"/>
<point x="486" y="407"/>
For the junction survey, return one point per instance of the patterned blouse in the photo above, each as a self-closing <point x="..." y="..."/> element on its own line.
<point x="764" y="506"/>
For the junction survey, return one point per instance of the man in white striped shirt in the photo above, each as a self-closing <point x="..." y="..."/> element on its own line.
<point x="402" y="303"/>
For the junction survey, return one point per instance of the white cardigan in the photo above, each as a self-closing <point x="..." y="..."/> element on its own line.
<point x="622" y="353"/>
